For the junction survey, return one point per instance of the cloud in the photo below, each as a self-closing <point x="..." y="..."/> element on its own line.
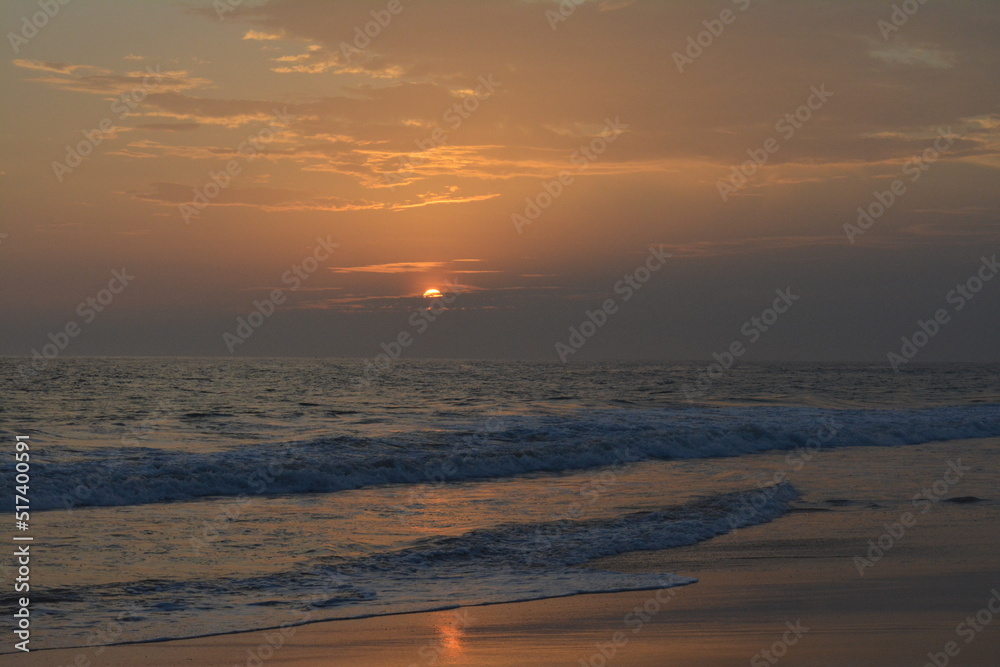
<point x="211" y="111"/>
<point x="400" y="90"/>
<point x="614" y="5"/>
<point x="449" y="197"/>
<point x="260" y="36"/>
<point x="169" y="127"/>
<point x="742" y="246"/>
<point x="683" y="117"/>
<point x="396" y="267"/>
<point x="318" y="60"/>
<point x="468" y="297"/>
<point x="178" y="193"/>
<point x="57" y="68"/>
<point x="391" y="124"/>
<point x="901" y="54"/>
<point x="286" y="199"/>
<point x="265" y="199"/>
<point x="104" y="82"/>
<point x="416" y="267"/>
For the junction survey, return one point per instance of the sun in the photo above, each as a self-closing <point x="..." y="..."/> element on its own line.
<point x="431" y="293"/>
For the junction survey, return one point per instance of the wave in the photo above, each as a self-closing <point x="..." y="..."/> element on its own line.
<point x="466" y="450"/>
<point x="503" y="563"/>
<point x="575" y="542"/>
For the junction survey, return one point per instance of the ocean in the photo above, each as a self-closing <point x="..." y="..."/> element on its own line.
<point x="186" y="497"/>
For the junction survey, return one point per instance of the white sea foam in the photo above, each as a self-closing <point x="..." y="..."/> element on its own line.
<point x="526" y="444"/>
<point x="502" y="563"/>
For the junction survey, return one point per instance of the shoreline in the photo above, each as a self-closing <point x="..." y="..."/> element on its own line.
<point x="363" y="617"/>
<point x="789" y="586"/>
<point x="722" y="620"/>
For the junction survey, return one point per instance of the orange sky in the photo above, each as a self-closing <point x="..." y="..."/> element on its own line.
<point x="220" y="146"/>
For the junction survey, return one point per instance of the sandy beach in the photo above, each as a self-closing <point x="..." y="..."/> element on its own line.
<point x="557" y="333"/>
<point x="787" y="587"/>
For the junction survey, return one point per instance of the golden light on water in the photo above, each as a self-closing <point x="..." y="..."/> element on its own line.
<point x="451" y="635"/>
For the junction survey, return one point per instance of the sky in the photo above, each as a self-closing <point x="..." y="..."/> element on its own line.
<point x="598" y="179"/>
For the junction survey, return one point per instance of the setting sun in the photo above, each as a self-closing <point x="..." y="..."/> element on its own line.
<point x="693" y="254"/>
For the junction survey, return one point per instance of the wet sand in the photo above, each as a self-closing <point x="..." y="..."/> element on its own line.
<point x="798" y="572"/>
